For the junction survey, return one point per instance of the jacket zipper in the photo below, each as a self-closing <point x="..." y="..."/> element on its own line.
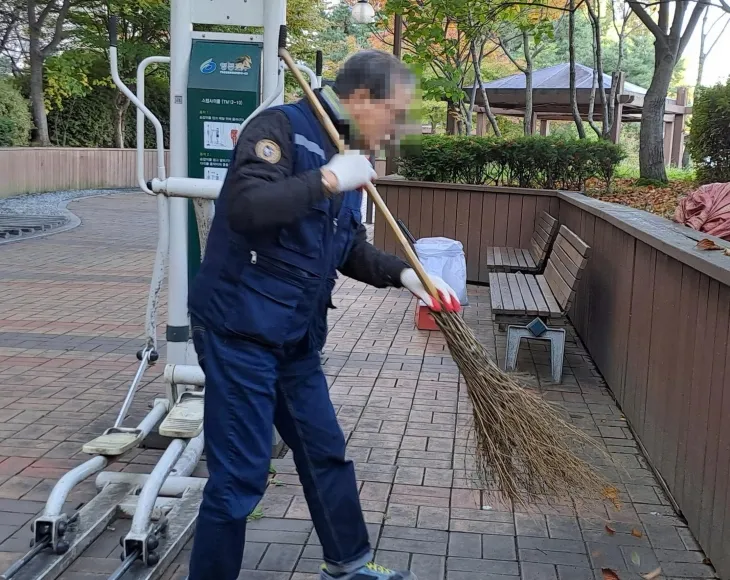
<point x="254" y="257"/>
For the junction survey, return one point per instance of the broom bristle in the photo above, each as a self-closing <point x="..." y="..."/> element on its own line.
<point x="524" y="447"/>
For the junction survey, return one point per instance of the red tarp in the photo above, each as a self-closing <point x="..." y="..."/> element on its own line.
<point x="707" y="210"/>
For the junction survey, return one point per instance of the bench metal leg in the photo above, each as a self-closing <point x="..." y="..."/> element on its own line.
<point x="515" y="334"/>
<point x="556" y="338"/>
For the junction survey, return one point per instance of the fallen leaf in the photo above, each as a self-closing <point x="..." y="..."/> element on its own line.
<point x="611" y="493"/>
<point x="705" y="244"/>
<point x="610" y="530"/>
<point x="727" y="251"/>
<point x="636" y="559"/>
<point x="609" y="574"/>
<point x="651" y="575"/>
<point x="706" y="562"/>
<point x="636" y="533"/>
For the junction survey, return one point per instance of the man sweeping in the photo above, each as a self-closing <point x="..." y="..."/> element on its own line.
<point x="287" y="220"/>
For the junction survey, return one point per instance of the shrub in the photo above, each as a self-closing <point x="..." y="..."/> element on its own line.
<point x="532" y="162"/>
<point x="709" y="137"/>
<point x="15" y="119"/>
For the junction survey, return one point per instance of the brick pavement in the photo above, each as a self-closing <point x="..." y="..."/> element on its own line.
<point x="71" y="314"/>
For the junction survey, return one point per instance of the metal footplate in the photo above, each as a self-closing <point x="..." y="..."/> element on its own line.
<point x="185" y="419"/>
<point x="114" y="442"/>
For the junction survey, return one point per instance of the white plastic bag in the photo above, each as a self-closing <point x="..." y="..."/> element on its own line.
<point x="445" y="258"/>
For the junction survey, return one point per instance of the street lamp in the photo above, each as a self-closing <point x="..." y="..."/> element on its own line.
<point x="363" y="12"/>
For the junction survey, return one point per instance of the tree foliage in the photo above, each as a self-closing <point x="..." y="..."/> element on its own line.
<point x="709" y="138"/>
<point x="15" y="121"/>
<point x="534" y="162"/>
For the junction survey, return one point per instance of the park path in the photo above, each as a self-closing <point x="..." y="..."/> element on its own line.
<point x="71" y="319"/>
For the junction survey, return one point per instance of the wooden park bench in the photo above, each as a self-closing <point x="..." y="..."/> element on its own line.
<point x="531" y="260"/>
<point x="527" y="302"/>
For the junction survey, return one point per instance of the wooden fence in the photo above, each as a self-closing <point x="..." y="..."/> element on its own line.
<point x="652" y="310"/>
<point x="40" y="169"/>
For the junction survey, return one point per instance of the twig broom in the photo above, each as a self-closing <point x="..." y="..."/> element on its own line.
<point x="524" y="448"/>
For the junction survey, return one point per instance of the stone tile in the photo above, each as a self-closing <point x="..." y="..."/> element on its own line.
<point x="480" y="566"/>
<point x="280" y="558"/>
<point x="465" y="545"/>
<point x="532" y="571"/>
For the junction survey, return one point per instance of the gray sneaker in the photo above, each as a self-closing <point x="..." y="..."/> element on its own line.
<point x="370" y="572"/>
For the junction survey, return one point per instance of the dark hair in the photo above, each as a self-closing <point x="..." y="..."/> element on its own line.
<point x="373" y="70"/>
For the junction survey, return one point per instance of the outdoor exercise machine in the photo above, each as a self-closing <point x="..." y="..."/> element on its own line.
<point x="219" y="81"/>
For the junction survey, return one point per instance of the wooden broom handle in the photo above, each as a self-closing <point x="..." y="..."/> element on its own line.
<point x="334" y="134"/>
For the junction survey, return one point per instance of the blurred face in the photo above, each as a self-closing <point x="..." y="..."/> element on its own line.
<point x="377" y="119"/>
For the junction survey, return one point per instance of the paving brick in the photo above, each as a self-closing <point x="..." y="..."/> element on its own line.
<point x="531" y="525"/>
<point x="482" y="566"/>
<point x="495" y="547"/>
<point x="252" y="554"/>
<point x="532" y="571"/>
<point x="280" y="558"/>
<point x="402" y="515"/>
<point x="465" y="545"/>
<point x="428" y="567"/>
<point x="551" y="545"/>
<point x="563" y="527"/>
<point x="393" y="560"/>
<point x="545" y="557"/>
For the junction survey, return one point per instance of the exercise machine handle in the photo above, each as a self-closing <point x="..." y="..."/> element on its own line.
<point x="113" y="31"/>
<point x="319" y="64"/>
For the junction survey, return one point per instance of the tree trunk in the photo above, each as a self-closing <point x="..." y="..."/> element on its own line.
<point x="651" y="140"/>
<point x="485" y="98"/>
<point x="452" y="116"/>
<point x="120" y="110"/>
<point x="38" y="104"/>
<point x="573" y="92"/>
<point x="597" y="45"/>
<point x="703" y="54"/>
<point x="528" y="83"/>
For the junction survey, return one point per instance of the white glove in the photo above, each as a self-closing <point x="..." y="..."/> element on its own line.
<point x="451" y="303"/>
<point x="352" y="171"/>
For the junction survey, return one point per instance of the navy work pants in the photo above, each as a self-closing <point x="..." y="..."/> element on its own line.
<point x="249" y="389"/>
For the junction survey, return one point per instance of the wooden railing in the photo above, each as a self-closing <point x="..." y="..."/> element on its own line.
<point x="652" y="310"/>
<point x="41" y="169"/>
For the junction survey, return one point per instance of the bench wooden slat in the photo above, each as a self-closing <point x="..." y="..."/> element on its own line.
<point x="543" y="235"/>
<point x="571" y="268"/>
<point x="552" y="304"/>
<point x="490" y="256"/>
<point x="542" y="307"/>
<point x="562" y="264"/>
<point x="527" y="297"/>
<point x="512" y="261"/>
<point x="571" y="252"/>
<point x="560" y="288"/>
<point x="498" y="257"/>
<point x="537" y="254"/>
<point x="507" y="302"/>
<point x="549" y="221"/>
<point x="495" y="294"/>
<point x="575" y="241"/>
<point x="529" y="260"/>
<point x="517" y="299"/>
<point x="521" y="262"/>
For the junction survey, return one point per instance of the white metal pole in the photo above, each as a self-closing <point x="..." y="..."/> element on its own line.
<point x="180" y="46"/>
<point x="274" y="17"/>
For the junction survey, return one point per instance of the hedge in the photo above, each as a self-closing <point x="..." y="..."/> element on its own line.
<point x="15" y="119"/>
<point x="709" y="137"/>
<point x="531" y="162"/>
